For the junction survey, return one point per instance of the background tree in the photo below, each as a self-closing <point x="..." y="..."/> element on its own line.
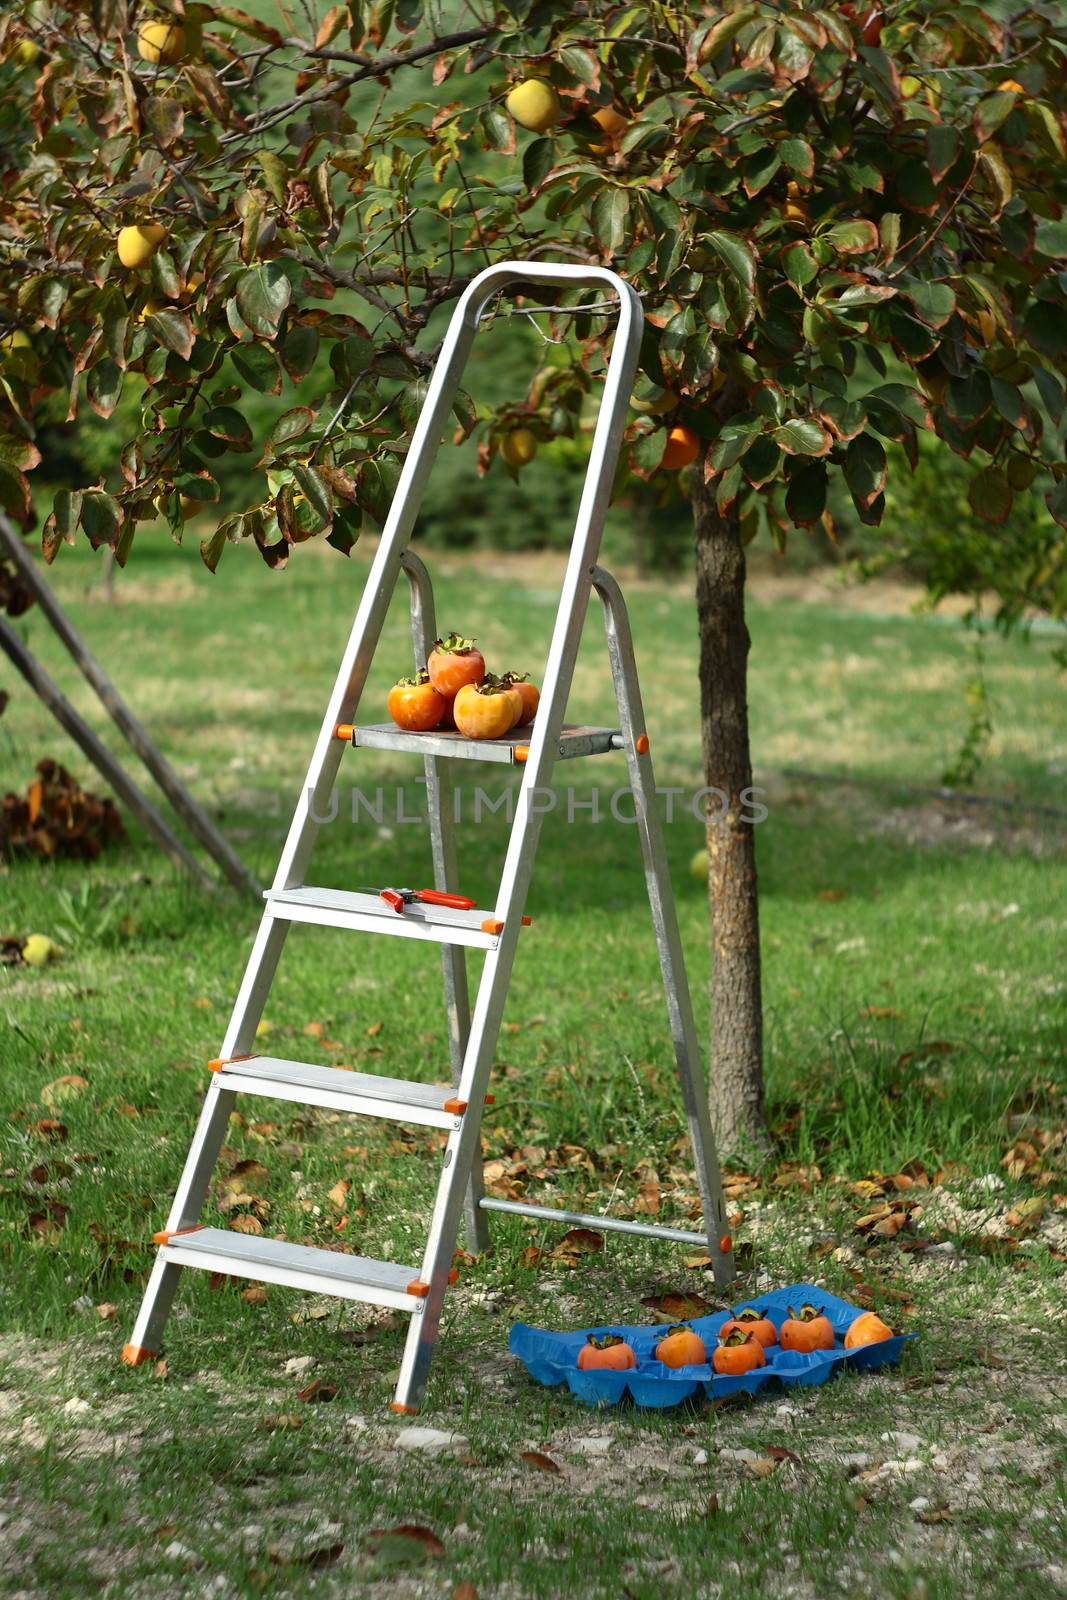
<point x="845" y="222"/>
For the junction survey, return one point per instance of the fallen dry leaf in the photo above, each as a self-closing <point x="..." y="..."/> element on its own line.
<point x="578" y="1242"/>
<point x="255" y="1294"/>
<point x="318" y="1392"/>
<point x="246" y="1224"/>
<point x="375" y="1029"/>
<point x="161" y="1368"/>
<point x="60" y="1090"/>
<point x="677" y="1306"/>
<point x="315" y="1030"/>
<point x="537" y="1459"/>
<point x="464" y="1591"/>
<point x="407" y="1541"/>
<point x="107" y="1312"/>
<point x="282" y="1419"/>
<point x="339" y="1193"/>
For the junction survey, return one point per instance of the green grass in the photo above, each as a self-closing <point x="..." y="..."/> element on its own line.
<point x="914" y="954"/>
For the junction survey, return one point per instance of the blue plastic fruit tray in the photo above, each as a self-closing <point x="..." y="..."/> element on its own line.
<point x="552" y="1358"/>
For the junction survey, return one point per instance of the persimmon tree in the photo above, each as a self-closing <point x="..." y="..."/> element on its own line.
<point x="844" y="221"/>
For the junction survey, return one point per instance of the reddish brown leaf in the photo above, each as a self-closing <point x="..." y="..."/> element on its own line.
<point x="677" y="1306"/>
<point x="537" y="1459"/>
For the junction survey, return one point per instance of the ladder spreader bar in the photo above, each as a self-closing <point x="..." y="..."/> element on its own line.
<point x="580" y="1219"/>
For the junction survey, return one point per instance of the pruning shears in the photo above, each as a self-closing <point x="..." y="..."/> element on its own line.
<point x="399" y="898"/>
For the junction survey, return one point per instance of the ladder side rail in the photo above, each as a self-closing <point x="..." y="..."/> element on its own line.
<point x="439" y="809"/>
<point x="665" y="923"/>
<point x="464" y="1143"/>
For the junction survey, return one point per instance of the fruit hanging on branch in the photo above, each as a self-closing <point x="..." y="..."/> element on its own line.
<point x="681" y="449"/>
<point x="534" y="104"/>
<point x="138" y="243"/>
<point x="518" y="447"/>
<point x="161" y="43"/>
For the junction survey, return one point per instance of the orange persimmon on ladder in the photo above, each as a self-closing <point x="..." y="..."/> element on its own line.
<point x="441" y="916"/>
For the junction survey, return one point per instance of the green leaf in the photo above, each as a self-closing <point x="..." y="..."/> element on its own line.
<point x="803" y="436"/>
<point x="737" y="254"/>
<point x="378" y="479"/>
<point x="942" y="148"/>
<point x="762" y="461"/>
<point x="226" y="422"/>
<point x="1050" y="238"/>
<point x="799" y="265"/>
<point x="759" y="169"/>
<point x="866" y="467"/>
<point x="934" y="302"/>
<point x="101" y="518"/>
<point x="735" y="439"/>
<point x="104" y="387"/>
<point x="164" y="119"/>
<point x="799" y="156"/>
<point x="889" y="234"/>
<point x="211" y="548"/>
<point x="67" y="510"/>
<point x="292" y="424"/>
<point x="275" y="176"/>
<point x="991" y="111"/>
<point x="852" y="238"/>
<point x="316" y="490"/>
<point x="263" y="293"/>
<point x="909" y="403"/>
<point x="864" y="294"/>
<point x="299" y="350"/>
<point x="989" y="496"/>
<point x="805" y="498"/>
<point x="998" y="175"/>
<point x="1009" y="402"/>
<point x="258" y="367"/>
<point x="609" y="216"/>
<point x="720" y="34"/>
<point x="19" y="453"/>
<point x="1056" y="500"/>
<point x="172" y="329"/>
<point x="845" y="418"/>
<point x="537" y="161"/>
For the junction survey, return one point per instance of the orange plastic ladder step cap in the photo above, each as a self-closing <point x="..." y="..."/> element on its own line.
<point x="522" y="753"/>
<point x="641" y="744"/>
<point x="344" y="730"/>
<point x="403" y="1410"/>
<point x="420" y="1290"/>
<point x="165" y="1235"/>
<point x="226" y="1061"/>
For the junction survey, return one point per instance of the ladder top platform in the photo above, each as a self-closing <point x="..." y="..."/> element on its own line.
<point x="575" y="739"/>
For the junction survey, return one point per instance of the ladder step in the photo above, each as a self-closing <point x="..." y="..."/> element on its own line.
<point x="368" y="913"/>
<point x="359" y="1093"/>
<point x="296" y="1266"/>
<point x="575" y="740"/>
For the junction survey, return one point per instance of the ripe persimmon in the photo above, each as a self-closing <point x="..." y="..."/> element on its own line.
<point x="485" y="710"/>
<point x="867" y="1328"/>
<point x="738" y="1353"/>
<point x="454" y="662"/>
<point x="415" y="704"/>
<point x="806" y="1330"/>
<point x="606" y="1352"/>
<point x="530" y="693"/>
<point x="681" y="448"/>
<point x="754" y="1322"/>
<point x="681" y="1347"/>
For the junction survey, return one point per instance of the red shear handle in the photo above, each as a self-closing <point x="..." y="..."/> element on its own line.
<point x="434" y="897"/>
<point x="393" y="897"/>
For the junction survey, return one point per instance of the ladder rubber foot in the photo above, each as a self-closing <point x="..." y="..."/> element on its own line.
<point x="134" y="1355"/>
<point x="403" y="1410"/>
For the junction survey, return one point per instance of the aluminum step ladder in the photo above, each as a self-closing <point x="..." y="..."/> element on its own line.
<point x="454" y="1107"/>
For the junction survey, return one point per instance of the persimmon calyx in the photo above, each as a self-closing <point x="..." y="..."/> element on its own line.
<point x="678" y="1327"/>
<point x="738" y="1336"/>
<point x="604" y="1341"/>
<point x="749" y="1314"/>
<point x="806" y="1313"/>
<point x="419" y="681"/>
<point x="454" y="644"/>
<point x="508" y="678"/>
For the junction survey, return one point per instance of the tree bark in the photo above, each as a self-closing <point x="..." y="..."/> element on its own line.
<point x="736" y="1077"/>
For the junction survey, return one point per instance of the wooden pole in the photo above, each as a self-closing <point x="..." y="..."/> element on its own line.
<point x="194" y="817"/>
<point x="100" y="756"/>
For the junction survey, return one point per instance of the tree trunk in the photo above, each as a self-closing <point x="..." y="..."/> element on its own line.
<point x="736" y="1076"/>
